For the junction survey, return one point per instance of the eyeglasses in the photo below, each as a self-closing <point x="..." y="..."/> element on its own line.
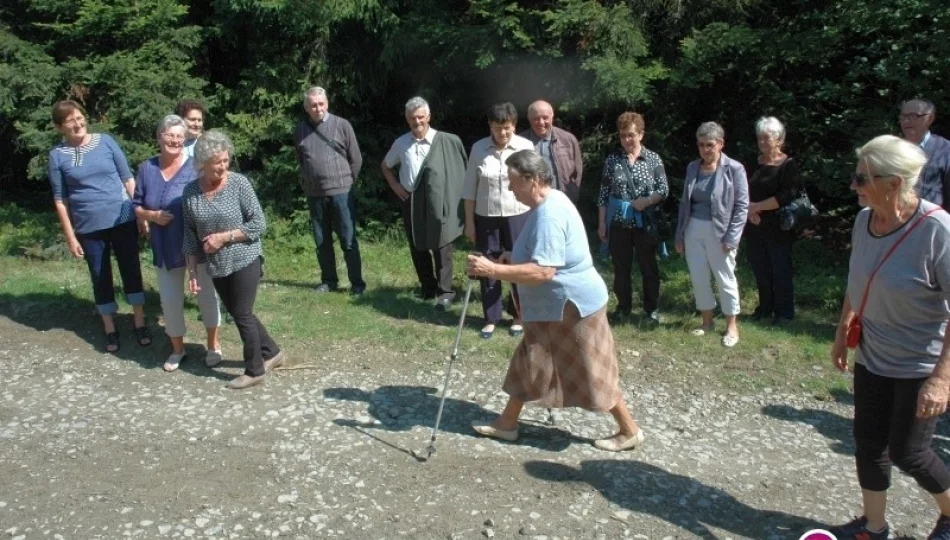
<point x="911" y="116"/>
<point x="862" y="179"/>
<point x="74" y="123"/>
<point x="173" y="138"/>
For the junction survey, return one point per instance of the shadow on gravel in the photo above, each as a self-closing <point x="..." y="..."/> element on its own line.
<point x="401" y="408"/>
<point x="65" y="311"/>
<point x="676" y="499"/>
<point x="834" y="427"/>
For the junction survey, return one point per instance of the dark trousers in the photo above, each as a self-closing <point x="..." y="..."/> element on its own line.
<point x="433" y="267"/>
<point x="335" y="213"/>
<point x="492" y="236"/>
<point x="98" y="247"/>
<point x="771" y="262"/>
<point x="887" y="430"/>
<point x="623" y="242"/>
<point x="238" y="291"/>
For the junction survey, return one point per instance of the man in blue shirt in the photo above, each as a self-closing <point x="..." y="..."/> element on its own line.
<point x="915" y="119"/>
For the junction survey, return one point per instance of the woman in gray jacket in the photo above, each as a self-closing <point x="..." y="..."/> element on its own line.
<point x="712" y="214"/>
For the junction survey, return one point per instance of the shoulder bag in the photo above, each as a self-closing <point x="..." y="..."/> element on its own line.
<point x="855" y="326"/>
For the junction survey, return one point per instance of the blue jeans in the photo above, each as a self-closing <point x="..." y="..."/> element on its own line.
<point x="98" y="247"/>
<point x="335" y="212"/>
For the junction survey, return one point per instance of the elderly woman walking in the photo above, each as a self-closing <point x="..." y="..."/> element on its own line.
<point x="92" y="192"/>
<point x="566" y="357"/>
<point x="493" y="217"/>
<point x="224" y="223"/>
<point x="159" y="184"/>
<point x="895" y="313"/>
<point x="774" y="184"/>
<point x="712" y="215"/>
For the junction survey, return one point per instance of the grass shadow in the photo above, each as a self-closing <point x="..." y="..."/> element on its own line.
<point x="402" y="408"/>
<point x="679" y="500"/>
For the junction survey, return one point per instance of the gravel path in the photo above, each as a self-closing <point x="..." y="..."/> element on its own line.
<point x="94" y="446"/>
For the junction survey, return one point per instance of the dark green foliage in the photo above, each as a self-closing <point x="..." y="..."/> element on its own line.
<point x="833" y="71"/>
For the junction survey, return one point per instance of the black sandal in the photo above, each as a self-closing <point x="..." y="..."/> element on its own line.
<point x="143" y="336"/>
<point x="112" y="342"/>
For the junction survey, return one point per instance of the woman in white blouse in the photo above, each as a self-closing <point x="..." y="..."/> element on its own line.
<point x="493" y="217"/>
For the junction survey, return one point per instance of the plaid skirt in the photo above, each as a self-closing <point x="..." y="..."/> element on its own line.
<point x="566" y="363"/>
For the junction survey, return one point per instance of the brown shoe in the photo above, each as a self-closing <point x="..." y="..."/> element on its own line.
<point x="245" y="381"/>
<point x="274" y="363"/>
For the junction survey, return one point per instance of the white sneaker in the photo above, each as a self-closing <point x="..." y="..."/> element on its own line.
<point x="173" y="360"/>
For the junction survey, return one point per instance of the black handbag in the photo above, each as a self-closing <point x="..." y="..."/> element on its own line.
<point x="797" y="214"/>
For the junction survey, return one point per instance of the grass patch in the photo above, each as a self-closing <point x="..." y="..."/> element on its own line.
<point x="54" y="292"/>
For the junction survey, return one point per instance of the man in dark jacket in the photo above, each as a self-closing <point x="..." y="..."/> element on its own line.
<point x="558" y="147"/>
<point x="330" y="161"/>
<point x="429" y="188"/>
<point x="915" y="119"/>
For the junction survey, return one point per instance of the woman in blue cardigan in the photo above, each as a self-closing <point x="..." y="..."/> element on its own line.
<point x="712" y="214"/>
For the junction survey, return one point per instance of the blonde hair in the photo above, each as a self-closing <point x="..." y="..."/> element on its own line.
<point x="887" y="155"/>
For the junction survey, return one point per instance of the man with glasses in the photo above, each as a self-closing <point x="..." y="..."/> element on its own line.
<point x="431" y="173"/>
<point x="915" y="119"/>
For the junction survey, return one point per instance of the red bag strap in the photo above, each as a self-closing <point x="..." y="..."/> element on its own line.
<point x="867" y="288"/>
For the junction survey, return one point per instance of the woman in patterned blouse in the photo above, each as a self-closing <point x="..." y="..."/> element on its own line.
<point x="224" y="222"/>
<point x="159" y="184"/>
<point x="92" y="189"/>
<point x="633" y="182"/>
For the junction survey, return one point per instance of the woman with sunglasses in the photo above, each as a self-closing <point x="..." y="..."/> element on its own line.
<point x="712" y="215"/>
<point x="158" y="189"/>
<point x="898" y="287"/>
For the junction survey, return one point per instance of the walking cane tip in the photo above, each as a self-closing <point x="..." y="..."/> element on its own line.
<point x="420" y="458"/>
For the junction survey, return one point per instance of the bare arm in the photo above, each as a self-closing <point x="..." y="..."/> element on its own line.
<point x="523" y="274"/>
<point x="63" y="214"/>
<point x="839" y="351"/>
<point x="393" y="182"/>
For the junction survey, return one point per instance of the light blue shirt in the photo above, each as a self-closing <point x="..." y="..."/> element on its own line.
<point x="554" y="236"/>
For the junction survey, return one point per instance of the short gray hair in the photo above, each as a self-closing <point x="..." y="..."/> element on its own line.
<point x="887" y="155"/>
<point x="771" y="126"/>
<point x="211" y="143"/>
<point x="313" y="91"/>
<point x="925" y="106"/>
<point x="417" y="103"/>
<point x="167" y="122"/>
<point x="530" y="163"/>
<point x="710" y="130"/>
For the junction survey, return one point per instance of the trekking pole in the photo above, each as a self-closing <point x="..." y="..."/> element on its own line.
<point x="448" y="374"/>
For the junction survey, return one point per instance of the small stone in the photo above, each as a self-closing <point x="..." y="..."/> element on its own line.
<point x="488" y="533"/>
<point x="164" y="529"/>
<point x="534" y="515"/>
<point x="201" y="522"/>
<point x="489" y="522"/>
<point x="286" y="498"/>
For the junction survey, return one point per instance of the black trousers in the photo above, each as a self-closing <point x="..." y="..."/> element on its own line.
<point x="887" y="430"/>
<point x="623" y="242"/>
<point x="771" y="262"/>
<point x="238" y="291"/>
<point x="492" y="236"/>
<point x="433" y="267"/>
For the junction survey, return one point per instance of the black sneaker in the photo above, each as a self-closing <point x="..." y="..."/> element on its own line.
<point x="857" y="530"/>
<point x="941" y="530"/>
<point x="358" y="291"/>
<point x="619" y="315"/>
